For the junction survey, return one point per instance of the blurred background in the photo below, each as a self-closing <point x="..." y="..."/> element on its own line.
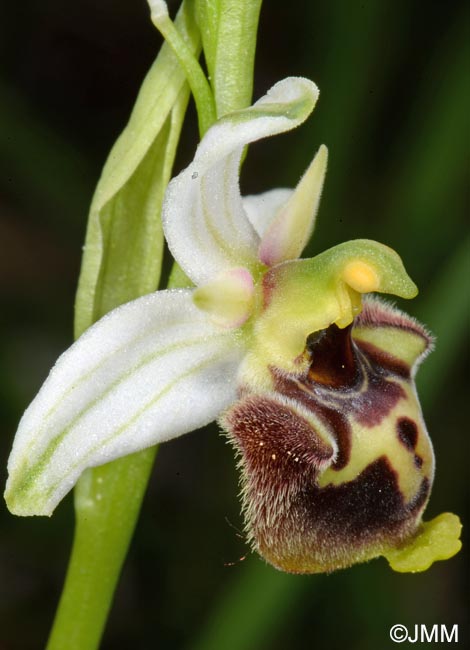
<point x="393" y="111"/>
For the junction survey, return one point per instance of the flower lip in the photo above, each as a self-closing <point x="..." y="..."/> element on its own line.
<point x="367" y="499"/>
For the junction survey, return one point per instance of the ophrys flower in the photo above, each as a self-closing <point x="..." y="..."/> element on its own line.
<point x="317" y="403"/>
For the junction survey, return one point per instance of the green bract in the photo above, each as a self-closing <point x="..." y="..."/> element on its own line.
<point x="336" y="462"/>
<point x="124" y="242"/>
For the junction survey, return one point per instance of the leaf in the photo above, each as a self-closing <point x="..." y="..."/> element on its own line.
<point x="124" y="242"/>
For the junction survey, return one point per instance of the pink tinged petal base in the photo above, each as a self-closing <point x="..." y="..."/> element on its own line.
<point x="228" y="299"/>
<point x="289" y="232"/>
<point x="149" y="371"/>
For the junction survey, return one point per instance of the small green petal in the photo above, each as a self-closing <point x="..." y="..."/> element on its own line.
<point x="438" y="540"/>
<point x="291" y="229"/>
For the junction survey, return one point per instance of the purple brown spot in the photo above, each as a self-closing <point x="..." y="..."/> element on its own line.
<point x="372" y="406"/>
<point x="407" y="433"/>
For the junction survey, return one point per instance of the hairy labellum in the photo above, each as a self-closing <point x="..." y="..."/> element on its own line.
<point x="336" y="462"/>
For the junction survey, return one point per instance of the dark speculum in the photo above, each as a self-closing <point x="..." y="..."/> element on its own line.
<point x="407" y="432"/>
<point x="287" y="438"/>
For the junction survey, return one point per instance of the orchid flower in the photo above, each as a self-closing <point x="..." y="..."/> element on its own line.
<point x="313" y="384"/>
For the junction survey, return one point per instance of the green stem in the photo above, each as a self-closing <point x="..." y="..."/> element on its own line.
<point x="235" y="54"/>
<point x="103" y="533"/>
<point x="194" y="74"/>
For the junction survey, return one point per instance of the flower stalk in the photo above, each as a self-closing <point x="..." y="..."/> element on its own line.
<point x="107" y="504"/>
<point x="232" y="67"/>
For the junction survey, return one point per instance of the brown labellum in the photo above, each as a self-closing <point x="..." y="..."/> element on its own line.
<point x="336" y="464"/>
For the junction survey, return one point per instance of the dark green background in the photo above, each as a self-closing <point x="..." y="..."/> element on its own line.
<point x="393" y="76"/>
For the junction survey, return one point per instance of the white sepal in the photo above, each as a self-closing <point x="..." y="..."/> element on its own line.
<point x="203" y="217"/>
<point x="148" y="371"/>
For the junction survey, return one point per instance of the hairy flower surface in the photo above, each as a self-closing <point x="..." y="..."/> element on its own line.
<point x="314" y="385"/>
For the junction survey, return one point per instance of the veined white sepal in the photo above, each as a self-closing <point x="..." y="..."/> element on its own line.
<point x="150" y="370"/>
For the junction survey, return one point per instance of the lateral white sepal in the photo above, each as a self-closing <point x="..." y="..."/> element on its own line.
<point x="148" y="371"/>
